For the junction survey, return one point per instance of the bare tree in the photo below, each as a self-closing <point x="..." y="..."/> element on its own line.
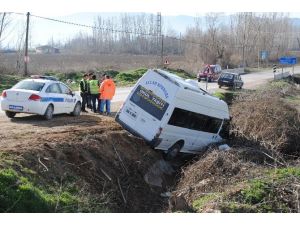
<point x="4" y="22"/>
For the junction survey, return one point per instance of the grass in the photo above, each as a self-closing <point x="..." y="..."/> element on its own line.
<point x="201" y="202"/>
<point x="227" y="96"/>
<point x="272" y="193"/>
<point x="17" y="194"/>
<point x="22" y="190"/>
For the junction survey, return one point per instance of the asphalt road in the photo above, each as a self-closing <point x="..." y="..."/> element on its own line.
<point x="251" y="81"/>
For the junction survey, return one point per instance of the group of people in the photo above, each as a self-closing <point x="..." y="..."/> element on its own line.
<point x="96" y="93"/>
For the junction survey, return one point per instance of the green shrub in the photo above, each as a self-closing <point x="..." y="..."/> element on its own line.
<point x="227" y="96"/>
<point x="256" y="193"/>
<point x="112" y="73"/>
<point x="7" y="81"/>
<point x="130" y="77"/>
<point x="181" y="73"/>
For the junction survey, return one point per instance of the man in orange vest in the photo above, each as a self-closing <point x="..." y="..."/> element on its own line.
<point x="107" y="92"/>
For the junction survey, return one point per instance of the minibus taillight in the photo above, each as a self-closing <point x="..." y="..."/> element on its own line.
<point x="158" y="132"/>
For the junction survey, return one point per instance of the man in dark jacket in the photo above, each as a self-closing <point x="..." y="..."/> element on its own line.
<point x="83" y="88"/>
<point x="89" y="96"/>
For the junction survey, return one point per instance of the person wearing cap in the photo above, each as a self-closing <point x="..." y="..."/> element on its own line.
<point x="107" y="91"/>
<point x="83" y="88"/>
<point x="94" y="85"/>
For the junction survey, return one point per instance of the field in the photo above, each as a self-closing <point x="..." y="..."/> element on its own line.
<point x="63" y="63"/>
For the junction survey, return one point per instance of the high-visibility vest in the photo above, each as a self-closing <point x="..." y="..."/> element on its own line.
<point x="83" y="85"/>
<point x="94" y="88"/>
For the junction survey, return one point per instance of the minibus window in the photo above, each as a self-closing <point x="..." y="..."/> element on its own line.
<point x="194" y="121"/>
<point x="149" y="102"/>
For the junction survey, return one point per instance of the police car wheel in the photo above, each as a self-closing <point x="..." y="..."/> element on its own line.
<point x="77" y="109"/>
<point x="49" y="112"/>
<point x="10" y="114"/>
<point x="173" y="151"/>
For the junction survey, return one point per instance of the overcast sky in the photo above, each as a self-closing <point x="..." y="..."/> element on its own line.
<point x="43" y="31"/>
<point x="166" y="7"/>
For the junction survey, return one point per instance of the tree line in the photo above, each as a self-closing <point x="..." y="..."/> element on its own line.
<point x="235" y="40"/>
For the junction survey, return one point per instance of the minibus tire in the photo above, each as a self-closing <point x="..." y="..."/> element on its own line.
<point x="173" y="151"/>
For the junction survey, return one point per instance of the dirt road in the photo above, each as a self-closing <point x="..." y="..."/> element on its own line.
<point x="25" y="130"/>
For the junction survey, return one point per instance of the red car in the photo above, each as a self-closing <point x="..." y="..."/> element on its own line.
<point x="210" y="72"/>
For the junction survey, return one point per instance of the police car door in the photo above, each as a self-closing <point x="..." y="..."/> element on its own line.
<point x="69" y="99"/>
<point x="53" y="94"/>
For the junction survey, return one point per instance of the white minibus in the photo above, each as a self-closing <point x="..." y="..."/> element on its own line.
<point x="173" y="114"/>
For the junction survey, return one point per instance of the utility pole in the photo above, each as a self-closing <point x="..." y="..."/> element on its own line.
<point x="158" y="36"/>
<point x="180" y="51"/>
<point x="162" y="51"/>
<point x="26" y="58"/>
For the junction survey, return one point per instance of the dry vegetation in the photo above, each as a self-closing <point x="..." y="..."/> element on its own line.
<point x="268" y="118"/>
<point x="64" y="63"/>
<point x="261" y="172"/>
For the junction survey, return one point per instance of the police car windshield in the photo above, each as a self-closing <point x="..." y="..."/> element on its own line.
<point x="29" y="85"/>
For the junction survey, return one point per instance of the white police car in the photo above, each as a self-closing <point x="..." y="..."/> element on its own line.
<point x="42" y="95"/>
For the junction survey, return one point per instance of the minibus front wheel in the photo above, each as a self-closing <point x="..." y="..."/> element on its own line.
<point x="174" y="150"/>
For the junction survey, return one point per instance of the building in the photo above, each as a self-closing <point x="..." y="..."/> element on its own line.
<point x="47" y="49"/>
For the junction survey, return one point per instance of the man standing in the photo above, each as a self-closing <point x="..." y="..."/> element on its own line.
<point x="89" y="96"/>
<point x="107" y="91"/>
<point x="94" y="90"/>
<point x="83" y="88"/>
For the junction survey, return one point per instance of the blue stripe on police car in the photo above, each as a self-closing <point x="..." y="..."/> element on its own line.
<point x="52" y="99"/>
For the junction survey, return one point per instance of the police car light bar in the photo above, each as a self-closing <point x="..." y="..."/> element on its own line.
<point x="44" y="77"/>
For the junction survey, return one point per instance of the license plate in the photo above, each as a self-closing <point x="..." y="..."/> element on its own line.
<point x="130" y="112"/>
<point x="16" y="107"/>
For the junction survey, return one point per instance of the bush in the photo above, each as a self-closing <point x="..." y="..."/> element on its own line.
<point x="264" y="117"/>
<point x="7" y="81"/>
<point x="181" y="73"/>
<point x="130" y="77"/>
<point x="227" y="96"/>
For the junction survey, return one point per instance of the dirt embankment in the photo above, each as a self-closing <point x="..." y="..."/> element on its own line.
<point x="90" y="152"/>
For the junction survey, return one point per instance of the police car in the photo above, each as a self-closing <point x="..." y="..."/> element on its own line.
<point x="42" y="95"/>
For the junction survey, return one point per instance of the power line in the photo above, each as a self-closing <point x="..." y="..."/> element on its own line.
<point x="94" y="27"/>
<point x="203" y="45"/>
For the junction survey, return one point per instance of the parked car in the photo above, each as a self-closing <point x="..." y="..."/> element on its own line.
<point x="210" y="72"/>
<point x="231" y="80"/>
<point x="40" y="95"/>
